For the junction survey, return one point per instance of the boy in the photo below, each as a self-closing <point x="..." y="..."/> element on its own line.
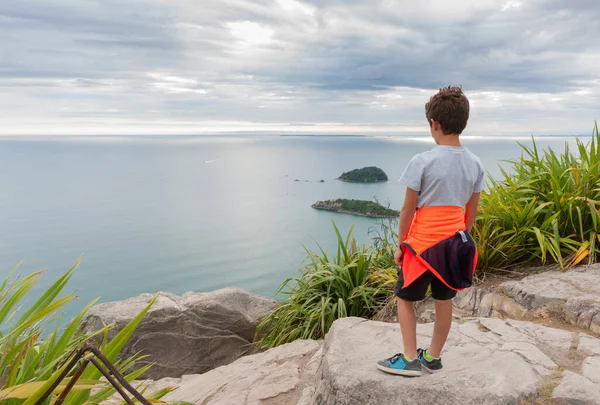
<point x="442" y="194"/>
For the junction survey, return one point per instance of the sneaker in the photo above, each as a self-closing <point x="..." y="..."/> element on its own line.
<point x="431" y="366"/>
<point x="399" y="365"/>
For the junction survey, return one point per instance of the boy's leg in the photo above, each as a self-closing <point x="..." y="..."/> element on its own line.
<point x="405" y="299"/>
<point x="441" y="327"/>
<point x="407" y="364"/>
<point x="443" y="316"/>
<point x="408" y="327"/>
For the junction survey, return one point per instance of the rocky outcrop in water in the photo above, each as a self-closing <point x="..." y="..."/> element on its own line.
<point x="356" y="207"/>
<point x="369" y="174"/>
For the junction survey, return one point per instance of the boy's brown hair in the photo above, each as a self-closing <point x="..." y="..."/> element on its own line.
<point x="449" y="107"/>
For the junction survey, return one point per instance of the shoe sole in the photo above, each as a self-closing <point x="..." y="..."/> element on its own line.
<point x="404" y="373"/>
<point x="431" y="370"/>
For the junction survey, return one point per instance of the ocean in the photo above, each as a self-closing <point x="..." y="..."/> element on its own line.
<point x="191" y="213"/>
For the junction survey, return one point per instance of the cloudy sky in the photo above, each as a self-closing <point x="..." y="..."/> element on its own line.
<point x="320" y="66"/>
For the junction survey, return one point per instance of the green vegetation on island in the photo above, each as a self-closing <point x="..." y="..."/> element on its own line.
<point x="356" y="207"/>
<point x="543" y="210"/>
<point x="365" y="175"/>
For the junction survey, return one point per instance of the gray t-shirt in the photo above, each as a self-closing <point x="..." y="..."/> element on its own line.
<point x="444" y="176"/>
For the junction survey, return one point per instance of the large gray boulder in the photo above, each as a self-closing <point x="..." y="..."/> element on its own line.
<point x="186" y="334"/>
<point x="486" y="361"/>
<point x="569" y="296"/>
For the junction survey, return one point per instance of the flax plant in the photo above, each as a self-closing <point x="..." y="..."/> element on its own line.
<point x="330" y="288"/>
<point x="544" y="209"/>
<point x="34" y="346"/>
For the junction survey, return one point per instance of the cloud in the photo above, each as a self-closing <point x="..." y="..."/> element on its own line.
<point x="511" y="4"/>
<point x="250" y="32"/>
<point x="91" y="66"/>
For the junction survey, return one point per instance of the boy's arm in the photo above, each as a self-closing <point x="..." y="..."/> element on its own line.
<point x="471" y="211"/>
<point x="407" y="214"/>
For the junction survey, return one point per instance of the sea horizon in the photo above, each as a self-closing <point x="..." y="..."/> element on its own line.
<point x="279" y="134"/>
<point x="192" y="213"/>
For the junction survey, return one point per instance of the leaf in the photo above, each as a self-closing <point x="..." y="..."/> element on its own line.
<point x="40" y="315"/>
<point x="68" y="338"/>
<point x="17" y="291"/>
<point x="27" y="390"/>
<point x="112" y="349"/>
<point x="50" y="294"/>
<point x="37" y="395"/>
<point x="582" y="253"/>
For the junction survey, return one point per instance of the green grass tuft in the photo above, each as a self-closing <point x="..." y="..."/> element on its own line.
<point x="329" y="288"/>
<point x="544" y="209"/>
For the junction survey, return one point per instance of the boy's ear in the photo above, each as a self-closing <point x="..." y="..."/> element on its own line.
<point x="435" y="125"/>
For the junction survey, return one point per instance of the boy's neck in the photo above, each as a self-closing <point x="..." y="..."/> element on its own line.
<point x="449" y="140"/>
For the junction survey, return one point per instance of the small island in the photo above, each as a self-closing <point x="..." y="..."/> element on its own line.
<point x="356" y="207"/>
<point x="369" y="174"/>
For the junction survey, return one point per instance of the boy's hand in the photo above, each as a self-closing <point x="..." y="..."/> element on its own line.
<point x="398" y="257"/>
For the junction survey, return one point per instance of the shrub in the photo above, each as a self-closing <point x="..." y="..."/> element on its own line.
<point x="33" y="346"/>
<point x="327" y="290"/>
<point x="384" y="271"/>
<point x="543" y="209"/>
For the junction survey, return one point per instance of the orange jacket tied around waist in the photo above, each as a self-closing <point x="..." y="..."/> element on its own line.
<point x="437" y="241"/>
